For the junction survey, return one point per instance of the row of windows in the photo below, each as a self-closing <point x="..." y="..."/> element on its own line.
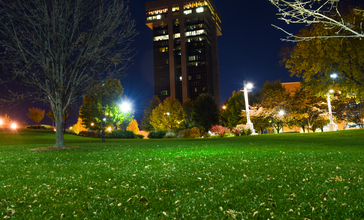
<point x="158" y="11"/>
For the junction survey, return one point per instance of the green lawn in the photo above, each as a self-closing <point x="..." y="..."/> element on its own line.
<point x="284" y="176"/>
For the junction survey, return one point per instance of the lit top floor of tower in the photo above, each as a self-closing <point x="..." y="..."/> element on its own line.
<point x="185" y="48"/>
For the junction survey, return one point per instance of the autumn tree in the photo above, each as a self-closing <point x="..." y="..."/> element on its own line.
<point x="133" y="126"/>
<point x="316" y="60"/>
<point x="36" y="114"/>
<point x="306" y="108"/>
<point x="79" y="126"/>
<point x="168" y="115"/>
<point x="233" y="108"/>
<point x="62" y="48"/>
<point x="326" y="13"/>
<point x="145" y="124"/>
<point x="205" y="112"/>
<point x="259" y="118"/>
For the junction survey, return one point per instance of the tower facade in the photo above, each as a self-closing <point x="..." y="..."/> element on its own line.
<point x="185" y="48"/>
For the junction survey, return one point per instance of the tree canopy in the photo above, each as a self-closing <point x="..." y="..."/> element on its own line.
<point x="317" y="59"/>
<point x="36" y="114"/>
<point x="205" y="112"/>
<point x="145" y="124"/>
<point x="168" y="116"/>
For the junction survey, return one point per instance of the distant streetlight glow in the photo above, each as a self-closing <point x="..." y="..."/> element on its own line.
<point x="224" y="107"/>
<point x="109" y="129"/>
<point x="92" y="124"/>
<point x="281" y="112"/>
<point x="13" y="126"/>
<point x="331" y="91"/>
<point x="333" y="75"/>
<point x="1" y="122"/>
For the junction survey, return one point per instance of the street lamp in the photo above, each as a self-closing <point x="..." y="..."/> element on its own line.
<point x="281" y="112"/>
<point x="246" y="87"/>
<point x="125" y="107"/>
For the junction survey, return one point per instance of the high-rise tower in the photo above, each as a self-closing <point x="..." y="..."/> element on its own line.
<point x="185" y="48"/>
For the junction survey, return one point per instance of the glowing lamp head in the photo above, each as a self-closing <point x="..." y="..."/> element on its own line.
<point x="92" y="124"/>
<point x="125" y="107"/>
<point x="331" y="91"/>
<point x="249" y="85"/>
<point x="13" y="126"/>
<point x="333" y="75"/>
<point x="109" y="129"/>
<point x="224" y="107"/>
<point x="281" y="112"/>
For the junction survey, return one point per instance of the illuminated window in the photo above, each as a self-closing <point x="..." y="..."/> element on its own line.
<point x="187" y="12"/>
<point x="163" y="49"/>
<point x="177" y="35"/>
<point x="155" y="17"/>
<point x="191" y="58"/>
<point x="164" y="92"/>
<point x="163" y="37"/>
<point x="159" y="11"/>
<point x="176" y="8"/>
<point x="194" y="33"/>
<point x="189" y="77"/>
<point x="199" y="10"/>
<point x="180" y="78"/>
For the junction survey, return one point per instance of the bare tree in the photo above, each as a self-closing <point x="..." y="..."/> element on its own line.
<point x="318" y="11"/>
<point x="62" y="48"/>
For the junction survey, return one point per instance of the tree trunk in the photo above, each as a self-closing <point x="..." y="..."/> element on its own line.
<point x="58" y="116"/>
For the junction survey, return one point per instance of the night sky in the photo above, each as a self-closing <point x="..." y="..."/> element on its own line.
<point x="248" y="50"/>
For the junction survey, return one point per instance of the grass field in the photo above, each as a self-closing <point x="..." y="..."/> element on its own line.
<point x="285" y="176"/>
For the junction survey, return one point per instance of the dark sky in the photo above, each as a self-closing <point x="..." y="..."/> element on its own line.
<point x="248" y="50"/>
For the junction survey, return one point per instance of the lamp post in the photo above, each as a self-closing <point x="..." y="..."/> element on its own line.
<point x="246" y="87"/>
<point x="103" y="115"/>
<point x="332" y="125"/>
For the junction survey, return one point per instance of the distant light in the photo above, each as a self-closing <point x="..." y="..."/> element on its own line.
<point x="71" y="128"/>
<point x="125" y="107"/>
<point x="92" y="124"/>
<point x="333" y="75"/>
<point x="249" y="85"/>
<point x="281" y="112"/>
<point x="13" y="126"/>
<point x="168" y="113"/>
<point x="54" y="129"/>
<point x="104" y="119"/>
<point x="199" y="10"/>
<point x="109" y="129"/>
<point x="159" y="16"/>
<point x="224" y="107"/>
<point x="331" y="91"/>
<point x="1" y="122"/>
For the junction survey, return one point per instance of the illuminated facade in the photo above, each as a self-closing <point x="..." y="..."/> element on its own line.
<point x="185" y="48"/>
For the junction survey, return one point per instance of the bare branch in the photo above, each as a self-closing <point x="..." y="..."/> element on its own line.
<point x="314" y="12"/>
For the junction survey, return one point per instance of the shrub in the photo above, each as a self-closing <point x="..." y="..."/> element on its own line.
<point x="242" y="130"/>
<point x="120" y="134"/>
<point x="170" y="134"/>
<point x="36" y="127"/>
<point x="88" y="134"/>
<point x="140" y="136"/>
<point x="220" y="130"/>
<point x="190" y="133"/>
<point x="157" y="134"/>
